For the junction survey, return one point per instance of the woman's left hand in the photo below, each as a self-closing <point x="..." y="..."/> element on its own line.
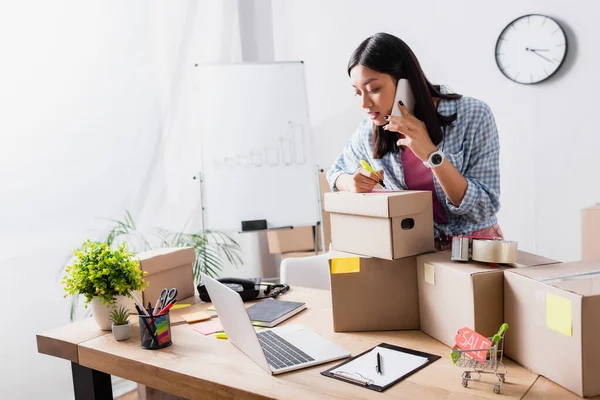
<point x="415" y="132"/>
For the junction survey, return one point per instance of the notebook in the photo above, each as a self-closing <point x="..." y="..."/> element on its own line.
<point x="397" y="363"/>
<point x="270" y="312"/>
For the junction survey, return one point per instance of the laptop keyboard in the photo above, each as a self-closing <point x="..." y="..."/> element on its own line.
<point x="279" y="352"/>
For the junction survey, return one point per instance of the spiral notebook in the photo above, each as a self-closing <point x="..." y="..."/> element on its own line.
<point x="397" y="363"/>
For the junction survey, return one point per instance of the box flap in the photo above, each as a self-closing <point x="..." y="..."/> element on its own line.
<point x="525" y="259"/>
<point x="553" y="271"/>
<point x="383" y="204"/>
<point x="581" y="277"/>
<point x="157" y="260"/>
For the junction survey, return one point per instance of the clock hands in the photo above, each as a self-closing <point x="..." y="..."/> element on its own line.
<point x="535" y="51"/>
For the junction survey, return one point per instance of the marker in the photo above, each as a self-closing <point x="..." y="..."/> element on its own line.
<point x="221" y="335"/>
<point x="366" y="166"/>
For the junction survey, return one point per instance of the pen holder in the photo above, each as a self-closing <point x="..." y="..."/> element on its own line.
<point x="155" y="332"/>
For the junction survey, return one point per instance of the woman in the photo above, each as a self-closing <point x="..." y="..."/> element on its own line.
<point x="449" y="145"/>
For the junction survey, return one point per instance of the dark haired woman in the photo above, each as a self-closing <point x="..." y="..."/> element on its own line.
<point x="448" y="145"/>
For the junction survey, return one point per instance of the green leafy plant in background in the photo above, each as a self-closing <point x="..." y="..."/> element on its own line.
<point x="99" y="270"/>
<point x="120" y="316"/>
<point x="212" y="248"/>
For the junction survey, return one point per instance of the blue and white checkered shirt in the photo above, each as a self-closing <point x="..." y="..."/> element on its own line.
<point x="470" y="143"/>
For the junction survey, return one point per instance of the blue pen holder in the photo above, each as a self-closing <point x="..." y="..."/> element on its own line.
<point x="155" y="332"/>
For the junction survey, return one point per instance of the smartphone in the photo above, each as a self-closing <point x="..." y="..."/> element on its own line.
<point x="403" y="93"/>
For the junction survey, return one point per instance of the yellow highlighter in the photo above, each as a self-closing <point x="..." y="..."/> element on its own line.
<point x="366" y="166"/>
<point x="221" y="335"/>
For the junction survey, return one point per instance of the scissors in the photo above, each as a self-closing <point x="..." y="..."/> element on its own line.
<point x="167" y="296"/>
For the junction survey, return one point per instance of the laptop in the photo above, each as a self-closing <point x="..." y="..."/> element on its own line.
<point x="277" y="350"/>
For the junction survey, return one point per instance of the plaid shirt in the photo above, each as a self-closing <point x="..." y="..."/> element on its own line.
<point x="470" y="143"/>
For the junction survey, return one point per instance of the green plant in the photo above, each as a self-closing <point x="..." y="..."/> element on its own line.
<point x="212" y="248"/>
<point x="120" y="316"/>
<point x="99" y="270"/>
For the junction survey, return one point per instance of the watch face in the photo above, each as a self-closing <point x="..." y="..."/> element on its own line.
<point x="531" y="49"/>
<point x="436" y="159"/>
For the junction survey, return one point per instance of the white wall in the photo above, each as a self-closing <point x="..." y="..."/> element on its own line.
<point x="547" y="132"/>
<point x="91" y="125"/>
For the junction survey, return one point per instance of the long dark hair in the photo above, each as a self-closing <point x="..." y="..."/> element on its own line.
<point x="388" y="54"/>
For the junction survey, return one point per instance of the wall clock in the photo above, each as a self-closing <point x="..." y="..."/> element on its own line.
<point x="531" y="49"/>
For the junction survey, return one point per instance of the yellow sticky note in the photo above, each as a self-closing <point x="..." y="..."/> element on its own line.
<point x="559" y="314"/>
<point x="345" y="265"/>
<point x="429" y="273"/>
<point x="177" y="306"/>
<point x="195" y="317"/>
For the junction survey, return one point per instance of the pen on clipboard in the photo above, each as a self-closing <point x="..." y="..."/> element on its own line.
<point x="366" y="166"/>
<point x="378" y="366"/>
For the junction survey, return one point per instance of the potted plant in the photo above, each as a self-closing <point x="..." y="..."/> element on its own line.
<point x="105" y="276"/>
<point x="121" y="328"/>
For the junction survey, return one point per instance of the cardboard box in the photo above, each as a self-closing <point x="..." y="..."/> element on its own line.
<point x="388" y="225"/>
<point x="323" y="185"/>
<point x="590" y="233"/>
<point x="300" y="238"/>
<point x="327" y="231"/>
<point x="455" y="294"/>
<point x="300" y="254"/>
<point x="554" y="326"/>
<point x="370" y="294"/>
<point x="167" y="268"/>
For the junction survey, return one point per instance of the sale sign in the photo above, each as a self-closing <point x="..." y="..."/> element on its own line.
<point x="468" y="339"/>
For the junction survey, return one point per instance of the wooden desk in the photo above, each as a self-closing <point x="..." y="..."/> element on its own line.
<point x="200" y="367"/>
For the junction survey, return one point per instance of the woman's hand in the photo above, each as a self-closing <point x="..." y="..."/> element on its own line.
<point x="362" y="181"/>
<point x="416" y="136"/>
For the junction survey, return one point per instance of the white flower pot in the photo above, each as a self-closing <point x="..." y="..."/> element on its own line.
<point x="101" y="312"/>
<point x="122" y="332"/>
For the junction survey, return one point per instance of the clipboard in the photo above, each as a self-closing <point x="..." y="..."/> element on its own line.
<point x="368" y="378"/>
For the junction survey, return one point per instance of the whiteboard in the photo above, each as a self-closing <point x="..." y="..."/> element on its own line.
<point x="256" y="150"/>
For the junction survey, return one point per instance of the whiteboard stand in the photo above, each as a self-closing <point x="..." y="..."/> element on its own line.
<point x="319" y="226"/>
<point x="200" y="180"/>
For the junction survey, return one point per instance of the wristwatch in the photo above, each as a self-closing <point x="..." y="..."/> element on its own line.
<point x="435" y="159"/>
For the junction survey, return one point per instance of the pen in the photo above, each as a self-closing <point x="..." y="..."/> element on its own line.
<point x="366" y="166"/>
<point x="378" y="367"/>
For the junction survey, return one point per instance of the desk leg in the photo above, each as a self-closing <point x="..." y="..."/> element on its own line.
<point x="90" y="384"/>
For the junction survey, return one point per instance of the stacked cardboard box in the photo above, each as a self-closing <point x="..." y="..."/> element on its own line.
<point x="374" y="287"/>
<point x="590" y="233"/>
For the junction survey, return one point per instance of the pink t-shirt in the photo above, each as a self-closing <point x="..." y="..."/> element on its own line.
<point x="418" y="177"/>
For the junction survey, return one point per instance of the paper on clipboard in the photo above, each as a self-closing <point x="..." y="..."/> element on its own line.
<point x="394" y="365"/>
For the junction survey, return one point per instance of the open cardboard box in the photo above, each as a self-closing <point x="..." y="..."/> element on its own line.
<point x="553" y="313"/>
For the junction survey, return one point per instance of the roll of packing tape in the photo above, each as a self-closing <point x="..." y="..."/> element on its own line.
<point x="494" y="251"/>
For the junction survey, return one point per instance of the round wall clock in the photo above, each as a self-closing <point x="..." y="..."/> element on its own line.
<point x="531" y="49"/>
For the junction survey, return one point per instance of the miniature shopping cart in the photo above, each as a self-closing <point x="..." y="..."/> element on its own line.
<point x="491" y="365"/>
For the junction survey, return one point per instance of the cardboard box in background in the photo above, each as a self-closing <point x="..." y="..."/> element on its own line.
<point x="590" y="233"/>
<point x="389" y="225"/>
<point x="326" y="217"/>
<point x="167" y="268"/>
<point x="554" y="326"/>
<point x="323" y="186"/>
<point x="300" y="254"/>
<point x="455" y="294"/>
<point x="300" y="238"/>
<point x="370" y="294"/>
